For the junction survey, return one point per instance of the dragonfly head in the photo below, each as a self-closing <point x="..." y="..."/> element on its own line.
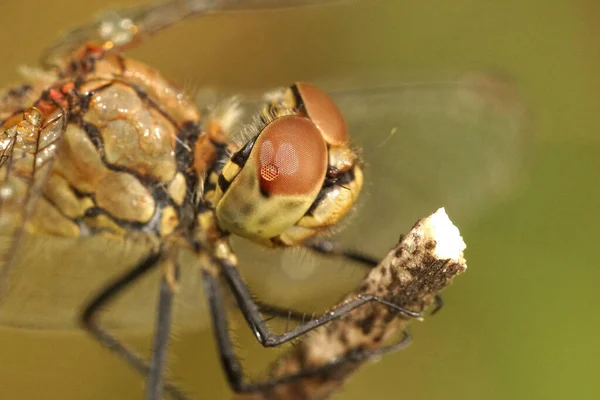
<point x="297" y="177"/>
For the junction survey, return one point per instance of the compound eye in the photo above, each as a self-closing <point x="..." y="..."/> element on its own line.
<point x="324" y="113"/>
<point x="291" y="157"/>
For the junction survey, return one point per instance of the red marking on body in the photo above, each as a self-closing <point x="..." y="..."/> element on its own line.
<point x="55" y="94"/>
<point x="46" y="107"/>
<point x="68" y="87"/>
<point x="91" y="49"/>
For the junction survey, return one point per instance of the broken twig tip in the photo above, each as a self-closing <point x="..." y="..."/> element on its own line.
<point x="449" y="242"/>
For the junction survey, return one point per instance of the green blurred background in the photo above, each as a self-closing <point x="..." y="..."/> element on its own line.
<point x="523" y="322"/>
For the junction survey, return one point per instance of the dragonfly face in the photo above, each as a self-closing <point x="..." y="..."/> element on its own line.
<point x="297" y="177"/>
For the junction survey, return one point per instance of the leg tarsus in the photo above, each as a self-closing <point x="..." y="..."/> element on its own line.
<point x="438" y="304"/>
<point x="281" y="312"/>
<point x="332" y="249"/>
<point x="362" y="355"/>
<point x="160" y="345"/>
<point x="265" y="336"/>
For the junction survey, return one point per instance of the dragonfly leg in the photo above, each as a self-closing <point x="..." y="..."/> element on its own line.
<point x="332" y="249"/>
<point x="281" y="312"/>
<point x="233" y="368"/>
<point x="160" y="345"/>
<point x="90" y="314"/>
<point x="358" y="355"/>
<point x="438" y="304"/>
<point x="265" y="336"/>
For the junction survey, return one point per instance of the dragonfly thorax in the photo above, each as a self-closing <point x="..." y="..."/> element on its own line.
<point x="294" y="179"/>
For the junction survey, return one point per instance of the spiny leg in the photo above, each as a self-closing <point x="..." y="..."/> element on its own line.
<point x="232" y="366"/>
<point x="280" y="312"/>
<point x="154" y="371"/>
<point x="333" y="249"/>
<point x="90" y="313"/>
<point x="329" y="249"/>
<point x="360" y="355"/>
<point x="155" y="381"/>
<point x="438" y="304"/>
<point x="264" y="335"/>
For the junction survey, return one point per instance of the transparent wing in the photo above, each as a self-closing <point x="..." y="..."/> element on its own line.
<point x="28" y="144"/>
<point x="123" y="29"/>
<point x="45" y="280"/>
<point x="53" y="277"/>
<point x="459" y="145"/>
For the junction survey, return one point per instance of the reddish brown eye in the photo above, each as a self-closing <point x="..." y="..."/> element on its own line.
<point x="324" y="113"/>
<point x="291" y="158"/>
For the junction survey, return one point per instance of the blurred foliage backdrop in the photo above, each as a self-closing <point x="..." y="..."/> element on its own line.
<point x="523" y="322"/>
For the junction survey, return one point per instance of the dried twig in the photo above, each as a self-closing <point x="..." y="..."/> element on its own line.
<point x="423" y="263"/>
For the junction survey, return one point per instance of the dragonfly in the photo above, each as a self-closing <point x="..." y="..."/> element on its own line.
<point x="110" y="173"/>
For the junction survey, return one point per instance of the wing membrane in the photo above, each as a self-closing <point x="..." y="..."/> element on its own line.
<point x="55" y="276"/>
<point x="459" y="145"/>
<point x="28" y="149"/>
<point x="44" y="279"/>
<point x="123" y="29"/>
